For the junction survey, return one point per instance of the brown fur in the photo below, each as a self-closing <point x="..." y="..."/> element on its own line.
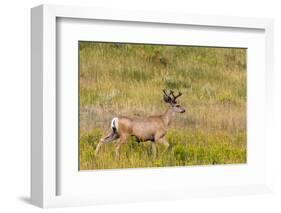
<point x="146" y="129"/>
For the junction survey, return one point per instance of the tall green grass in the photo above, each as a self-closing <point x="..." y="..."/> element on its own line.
<point x="127" y="79"/>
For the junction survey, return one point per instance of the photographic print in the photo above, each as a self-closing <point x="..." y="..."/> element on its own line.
<point x="148" y="105"/>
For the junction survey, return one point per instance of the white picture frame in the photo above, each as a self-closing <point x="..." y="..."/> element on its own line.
<point x="45" y="169"/>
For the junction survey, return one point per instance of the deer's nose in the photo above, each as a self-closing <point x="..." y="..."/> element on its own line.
<point x="183" y="111"/>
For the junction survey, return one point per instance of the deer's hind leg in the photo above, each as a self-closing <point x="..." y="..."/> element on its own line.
<point x="123" y="139"/>
<point x="109" y="138"/>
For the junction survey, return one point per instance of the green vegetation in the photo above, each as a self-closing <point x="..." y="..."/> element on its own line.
<point x="126" y="79"/>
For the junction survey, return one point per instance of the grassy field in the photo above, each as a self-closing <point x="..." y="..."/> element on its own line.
<point x="118" y="79"/>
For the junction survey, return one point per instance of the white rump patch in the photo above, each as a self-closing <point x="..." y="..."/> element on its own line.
<point x="114" y="123"/>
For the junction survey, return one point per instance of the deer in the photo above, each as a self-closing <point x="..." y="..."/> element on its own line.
<point x="153" y="128"/>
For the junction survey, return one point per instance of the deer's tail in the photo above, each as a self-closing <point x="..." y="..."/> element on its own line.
<point x="114" y="124"/>
<point x="114" y="134"/>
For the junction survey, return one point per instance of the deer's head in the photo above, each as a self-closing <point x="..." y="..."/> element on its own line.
<point x="171" y="99"/>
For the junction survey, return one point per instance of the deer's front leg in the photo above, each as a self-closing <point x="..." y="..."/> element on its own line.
<point x="164" y="142"/>
<point x="154" y="149"/>
<point x="160" y="139"/>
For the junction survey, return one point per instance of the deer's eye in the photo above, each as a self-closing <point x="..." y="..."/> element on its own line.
<point x="177" y="105"/>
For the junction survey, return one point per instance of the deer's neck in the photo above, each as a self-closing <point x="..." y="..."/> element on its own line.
<point x="168" y="117"/>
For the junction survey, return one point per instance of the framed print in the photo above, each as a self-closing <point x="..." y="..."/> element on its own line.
<point x="148" y="105"/>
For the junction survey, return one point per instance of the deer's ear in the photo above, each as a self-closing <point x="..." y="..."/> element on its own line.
<point x="166" y="99"/>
